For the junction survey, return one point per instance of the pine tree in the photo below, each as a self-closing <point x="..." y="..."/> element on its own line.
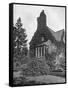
<point x="19" y="39"/>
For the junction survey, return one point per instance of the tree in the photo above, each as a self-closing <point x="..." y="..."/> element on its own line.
<point x="19" y="40"/>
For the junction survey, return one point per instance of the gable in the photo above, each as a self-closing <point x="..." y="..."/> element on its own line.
<point x="45" y="33"/>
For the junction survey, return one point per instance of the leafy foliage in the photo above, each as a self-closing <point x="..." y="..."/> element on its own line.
<point x="45" y="32"/>
<point x="35" y="68"/>
<point x="19" y="39"/>
<point x="19" y="44"/>
<point x="50" y="59"/>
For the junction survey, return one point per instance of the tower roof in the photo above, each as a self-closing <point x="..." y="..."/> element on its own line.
<point x="42" y="13"/>
<point x="41" y="20"/>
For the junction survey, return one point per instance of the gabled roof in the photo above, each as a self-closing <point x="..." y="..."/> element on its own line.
<point x="58" y="34"/>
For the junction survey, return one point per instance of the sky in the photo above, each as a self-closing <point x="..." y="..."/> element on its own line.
<point x="28" y="13"/>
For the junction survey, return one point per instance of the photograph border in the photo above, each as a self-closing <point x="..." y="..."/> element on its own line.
<point x="11" y="44"/>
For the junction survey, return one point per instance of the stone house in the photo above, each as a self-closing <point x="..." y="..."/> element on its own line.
<point x="45" y="38"/>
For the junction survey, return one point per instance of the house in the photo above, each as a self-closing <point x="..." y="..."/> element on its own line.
<point x="44" y="38"/>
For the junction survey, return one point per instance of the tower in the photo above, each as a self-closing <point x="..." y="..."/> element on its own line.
<point x="41" y="20"/>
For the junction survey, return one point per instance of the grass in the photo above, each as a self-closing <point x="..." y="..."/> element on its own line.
<point x="37" y="80"/>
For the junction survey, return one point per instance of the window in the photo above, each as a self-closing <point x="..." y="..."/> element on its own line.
<point x="42" y="38"/>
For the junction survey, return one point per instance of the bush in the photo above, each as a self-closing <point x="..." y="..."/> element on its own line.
<point x="19" y="81"/>
<point x="35" y="68"/>
<point x="25" y="60"/>
<point x="18" y="64"/>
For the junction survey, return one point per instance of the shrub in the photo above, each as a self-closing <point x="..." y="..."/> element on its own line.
<point x="19" y="81"/>
<point x="35" y="68"/>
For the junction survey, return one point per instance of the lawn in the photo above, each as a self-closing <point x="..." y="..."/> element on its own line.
<point x="46" y="79"/>
<point x="43" y="79"/>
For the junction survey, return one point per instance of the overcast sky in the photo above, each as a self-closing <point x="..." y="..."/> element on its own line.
<point x="29" y="14"/>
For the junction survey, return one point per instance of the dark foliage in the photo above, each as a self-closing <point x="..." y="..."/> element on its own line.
<point x="45" y="32"/>
<point x="35" y="68"/>
<point x="50" y="59"/>
<point x="19" y="40"/>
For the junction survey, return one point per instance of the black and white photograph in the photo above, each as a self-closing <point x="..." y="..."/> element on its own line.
<point x="38" y="44"/>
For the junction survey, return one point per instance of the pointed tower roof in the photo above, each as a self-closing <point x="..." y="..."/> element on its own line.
<point x="42" y="13"/>
<point x="41" y="20"/>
